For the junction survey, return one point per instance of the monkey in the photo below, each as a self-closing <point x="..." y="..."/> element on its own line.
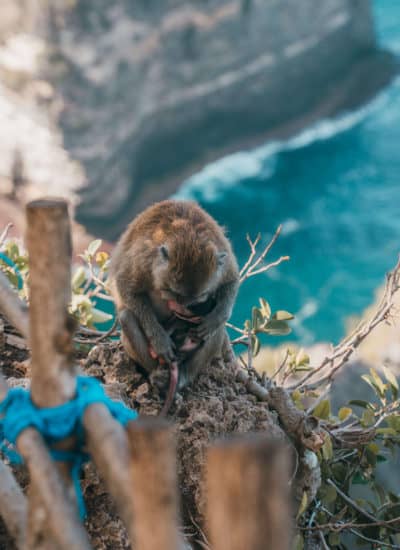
<point x="174" y="279"/>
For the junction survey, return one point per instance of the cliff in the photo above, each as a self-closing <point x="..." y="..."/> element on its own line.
<point x="143" y="93"/>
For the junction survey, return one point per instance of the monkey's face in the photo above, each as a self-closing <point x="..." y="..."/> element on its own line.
<point x="188" y="274"/>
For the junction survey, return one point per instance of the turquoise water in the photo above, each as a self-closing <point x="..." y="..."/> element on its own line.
<point x="336" y="190"/>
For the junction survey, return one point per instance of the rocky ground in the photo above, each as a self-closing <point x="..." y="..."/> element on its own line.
<point x="215" y="406"/>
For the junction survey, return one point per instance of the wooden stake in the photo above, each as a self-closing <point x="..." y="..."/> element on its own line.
<point x="49" y="245"/>
<point x="109" y="448"/>
<point x="53" y="522"/>
<point x="59" y="514"/>
<point x="248" y="495"/>
<point x="52" y="507"/>
<point x="154" y="485"/>
<point x="13" y="506"/>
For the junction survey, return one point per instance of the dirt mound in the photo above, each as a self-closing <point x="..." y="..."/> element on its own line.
<point x="214" y="406"/>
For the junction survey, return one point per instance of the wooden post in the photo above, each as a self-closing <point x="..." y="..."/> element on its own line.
<point x="52" y="509"/>
<point x="154" y="485"/>
<point x="109" y="448"/>
<point x="248" y="494"/>
<point x="13" y="505"/>
<point x="48" y="241"/>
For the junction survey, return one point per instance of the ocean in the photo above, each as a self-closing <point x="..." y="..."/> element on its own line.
<point x="335" y="188"/>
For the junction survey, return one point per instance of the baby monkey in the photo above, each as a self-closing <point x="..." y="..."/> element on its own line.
<point x="174" y="279"/>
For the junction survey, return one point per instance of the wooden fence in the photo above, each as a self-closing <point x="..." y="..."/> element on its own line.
<point x="247" y="478"/>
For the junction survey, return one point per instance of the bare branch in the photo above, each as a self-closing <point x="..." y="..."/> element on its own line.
<point x="342" y="352"/>
<point x="251" y="267"/>
<point x="12" y="307"/>
<point x="4" y="234"/>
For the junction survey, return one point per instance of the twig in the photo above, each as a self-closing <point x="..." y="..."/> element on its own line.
<point x="13" y="308"/>
<point x="269" y="266"/>
<point x="323" y="541"/>
<point x="350" y="526"/>
<point x="236" y="329"/>
<point x="253" y="252"/>
<point x="281" y="366"/>
<point x="342" y="352"/>
<point x="382" y="545"/>
<point x="351" y="502"/>
<point x="251" y="267"/>
<point x="249" y="351"/>
<point x="4" y="233"/>
<point x="343" y="526"/>
<point x="109" y="332"/>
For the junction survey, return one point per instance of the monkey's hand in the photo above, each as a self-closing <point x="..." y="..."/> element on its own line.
<point x="209" y="324"/>
<point x="162" y="345"/>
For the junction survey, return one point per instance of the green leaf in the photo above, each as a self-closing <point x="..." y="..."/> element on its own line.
<point x="359" y="403"/>
<point x="374" y="448"/>
<point x="302" y="360"/>
<point x="390" y="377"/>
<point x="339" y="471"/>
<point x="297" y="399"/>
<point x="344" y="413"/>
<point x="78" y="278"/>
<point x="256" y="318"/>
<point x="12" y="250"/>
<point x="393" y="421"/>
<point x="386" y="431"/>
<point x="265" y="309"/>
<point x="334" y="539"/>
<point x="381" y="387"/>
<point x="330" y="494"/>
<point x="255" y="345"/>
<point x="102" y="259"/>
<point x="93" y="247"/>
<point x="323" y="409"/>
<point x="99" y="316"/>
<point x="303" y="505"/>
<point x="367" y="418"/>
<point x="327" y="448"/>
<point x="283" y="316"/>
<point x="276" y="327"/>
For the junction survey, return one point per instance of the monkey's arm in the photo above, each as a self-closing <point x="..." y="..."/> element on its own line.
<point x="225" y="298"/>
<point x="157" y="337"/>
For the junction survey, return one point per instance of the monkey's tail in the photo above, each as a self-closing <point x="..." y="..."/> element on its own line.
<point x="173" y="382"/>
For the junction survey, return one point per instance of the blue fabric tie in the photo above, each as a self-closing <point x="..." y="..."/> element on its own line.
<point x="18" y="412"/>
<point x="4" y="258"/>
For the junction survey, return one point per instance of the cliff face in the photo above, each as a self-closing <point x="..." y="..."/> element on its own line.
<point x="150" y="90"/>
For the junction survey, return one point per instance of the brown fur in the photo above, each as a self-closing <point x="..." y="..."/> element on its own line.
<point x="174" y="250"/>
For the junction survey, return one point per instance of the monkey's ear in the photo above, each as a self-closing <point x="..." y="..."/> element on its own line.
<point x="221" y="258"/>
<point x="164" y="252"/>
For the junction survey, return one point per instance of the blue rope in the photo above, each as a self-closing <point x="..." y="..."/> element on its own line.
<point x="11" y="264"/>
<point x="18" y="412"/>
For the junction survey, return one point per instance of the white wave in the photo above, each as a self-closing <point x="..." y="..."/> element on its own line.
<point x="210" y="183"/>
<point x="218" y="176"/>
<point x="290" y="226"/>
<point x="309" y="309"/>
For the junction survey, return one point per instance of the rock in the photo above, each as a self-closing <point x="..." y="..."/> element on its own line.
<point x="153" y="90"/>
<point x="134" y="96"/>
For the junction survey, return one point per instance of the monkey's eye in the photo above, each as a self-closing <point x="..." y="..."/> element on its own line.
<point x="164" y="252"/>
